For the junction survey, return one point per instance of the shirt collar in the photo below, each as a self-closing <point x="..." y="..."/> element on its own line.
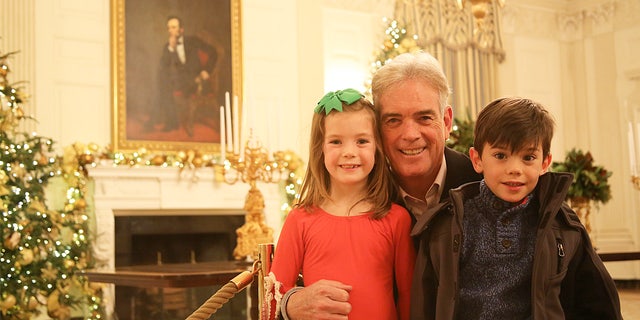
<point x="419" y="206"/>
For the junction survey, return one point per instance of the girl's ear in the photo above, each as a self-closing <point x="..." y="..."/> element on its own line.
<point x="476" y="159"/>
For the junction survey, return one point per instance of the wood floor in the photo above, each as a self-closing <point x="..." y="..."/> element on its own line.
<point x="630" y="303"/>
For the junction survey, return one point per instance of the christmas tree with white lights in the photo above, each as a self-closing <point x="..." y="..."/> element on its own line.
<point x="42" y="251"/>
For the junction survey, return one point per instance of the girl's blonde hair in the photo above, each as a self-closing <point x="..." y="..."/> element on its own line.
<point x="381" y="190"/>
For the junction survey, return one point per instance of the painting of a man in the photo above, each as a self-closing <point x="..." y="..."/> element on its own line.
<point x="183" y="79"/>
<point x="178" y="67"/>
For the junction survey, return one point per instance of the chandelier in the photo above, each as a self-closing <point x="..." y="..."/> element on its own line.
<point x="479" y="8"/>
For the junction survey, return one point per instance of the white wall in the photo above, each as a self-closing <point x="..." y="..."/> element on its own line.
<point x="570" y="56"/>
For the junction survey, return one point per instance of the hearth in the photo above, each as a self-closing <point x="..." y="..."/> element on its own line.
<point x="171" y="239"/>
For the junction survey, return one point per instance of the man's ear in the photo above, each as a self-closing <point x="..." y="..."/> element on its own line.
<point x="476" y="159"/>
<point x="447" y="117"/>
<point x="546" y="162"/>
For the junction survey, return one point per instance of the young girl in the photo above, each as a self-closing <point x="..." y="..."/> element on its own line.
<point x="345" y="227"/>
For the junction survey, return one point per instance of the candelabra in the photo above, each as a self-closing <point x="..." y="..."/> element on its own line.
<point x="251" y="165"/>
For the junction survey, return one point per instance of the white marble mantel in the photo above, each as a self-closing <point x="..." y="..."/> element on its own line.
<point x="126" y="191"/>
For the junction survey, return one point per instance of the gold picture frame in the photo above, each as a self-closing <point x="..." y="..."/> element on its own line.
<point x="158" y="113"/>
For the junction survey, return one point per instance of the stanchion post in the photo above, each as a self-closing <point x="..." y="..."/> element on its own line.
<point x="265" y="256"/>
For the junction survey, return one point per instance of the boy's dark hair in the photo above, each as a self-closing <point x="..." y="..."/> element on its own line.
<point x="514" y="123"/>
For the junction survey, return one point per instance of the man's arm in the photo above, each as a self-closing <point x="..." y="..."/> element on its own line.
<point x="325" y="299"/>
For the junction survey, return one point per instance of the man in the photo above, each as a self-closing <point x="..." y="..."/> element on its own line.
<point x="183" y="75"/>
<point x="410" y="96"/>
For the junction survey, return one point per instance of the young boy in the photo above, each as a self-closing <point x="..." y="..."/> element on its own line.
<point x="508" y="247"/>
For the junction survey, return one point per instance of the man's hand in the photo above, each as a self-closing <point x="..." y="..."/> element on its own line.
<point x="325" y="299"/>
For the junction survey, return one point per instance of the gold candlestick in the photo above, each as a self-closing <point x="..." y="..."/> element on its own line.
<point x="255" y="165"/>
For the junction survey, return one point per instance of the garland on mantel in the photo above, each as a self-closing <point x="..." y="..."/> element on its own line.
<point x="78" y="156"/>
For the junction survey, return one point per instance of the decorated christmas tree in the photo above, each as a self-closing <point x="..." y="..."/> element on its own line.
<point x="396" y="41"/>
<point x="42" y="251"/>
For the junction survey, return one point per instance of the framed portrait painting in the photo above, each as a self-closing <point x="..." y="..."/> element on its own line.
<point x="172" y="63"/>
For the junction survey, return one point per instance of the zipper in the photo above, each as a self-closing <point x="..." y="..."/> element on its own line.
<point x="560" y="246"/>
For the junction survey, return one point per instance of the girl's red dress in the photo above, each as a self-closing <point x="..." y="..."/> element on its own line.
<point x="373" y="256"/>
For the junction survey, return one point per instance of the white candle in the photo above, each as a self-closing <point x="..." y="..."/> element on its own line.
<point x="236" y="129"/>
<point x="228" y="120"/>
<point x="223" y="150"/>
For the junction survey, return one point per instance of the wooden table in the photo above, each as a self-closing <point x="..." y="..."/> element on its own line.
<point x="620" y="256"/>
<point x="179" y="275"/>
<point x="182" y="275"/>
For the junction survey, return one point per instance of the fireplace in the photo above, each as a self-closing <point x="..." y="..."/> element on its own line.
<point x="151" y="215"/>
<point x="157" y="239"/>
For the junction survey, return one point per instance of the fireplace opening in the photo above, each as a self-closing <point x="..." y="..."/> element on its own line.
<point x="175" y="239"/>
<point x="163" y="239"/>
<point x="179" y="248"/>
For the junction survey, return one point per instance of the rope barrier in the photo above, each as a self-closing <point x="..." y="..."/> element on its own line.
<point x="215" y="302"/>
<point x="222" y="296"/>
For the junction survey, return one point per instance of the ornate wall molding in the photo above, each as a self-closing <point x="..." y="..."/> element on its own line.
<point x="529" y="20"/>
<point x="568" y="21"/>
<point x="601" y="18"/>
<point x="571" y="26"/>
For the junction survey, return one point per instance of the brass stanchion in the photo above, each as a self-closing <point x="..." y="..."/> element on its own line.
<point x="265" y="256"/>
<point x="261" y="268"/>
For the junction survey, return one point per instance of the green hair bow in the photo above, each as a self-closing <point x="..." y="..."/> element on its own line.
<point x="334" y="99"/>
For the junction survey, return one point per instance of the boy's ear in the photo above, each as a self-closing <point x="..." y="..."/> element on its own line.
<point x="546" y="162"/>
<point x="476" y="159"/>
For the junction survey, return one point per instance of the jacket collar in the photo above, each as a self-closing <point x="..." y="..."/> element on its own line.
<point x="551" y="191"/>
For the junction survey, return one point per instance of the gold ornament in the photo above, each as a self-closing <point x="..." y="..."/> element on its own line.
<point x="86" y="158"/>
<point x="43" y="160"/>
<point x="19" y="113"/>
<point x="55" y="309"/>
<point x="69" y="264"/>
<point x="12" y="241"/>
<point x="93" y="147"/>
<point x="7" y="303"/>
<point x="68" y="207"/>
<point x="49" y="273"/>
<point x="181" y="155"/>
<point x="388" y="45"/>
<point x="4" y="190"/>
<point x="81" y="203"/>
<point x="37" y="206"/>
<point x="26" y="257"/>
<point x="18" y="170"/>
<point x="158" y="160"/>
<point x="33" y="303"/>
